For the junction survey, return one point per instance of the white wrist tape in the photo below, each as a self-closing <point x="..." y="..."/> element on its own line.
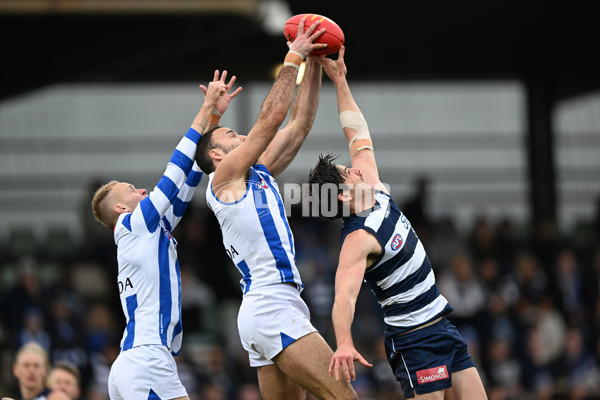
<point x="298" y="53"/>
<point x="356" y="121"/>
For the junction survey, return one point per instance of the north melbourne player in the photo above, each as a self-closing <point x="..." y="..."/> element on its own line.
<point x="273" y="320"/>
<point x="149" y="278"/>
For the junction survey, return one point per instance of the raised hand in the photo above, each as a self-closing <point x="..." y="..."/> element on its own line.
<point x="304" y="40"/>
<point x="224" y="95"/>
<point x="343" y="359"/>
<point x="334" y="68"/>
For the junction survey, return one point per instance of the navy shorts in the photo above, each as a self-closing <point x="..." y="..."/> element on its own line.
<point x="423" y="360"/>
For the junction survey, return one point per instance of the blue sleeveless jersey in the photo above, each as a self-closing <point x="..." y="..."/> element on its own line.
<point x="401" y="278"/>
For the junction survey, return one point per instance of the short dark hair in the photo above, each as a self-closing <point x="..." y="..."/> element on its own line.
<point x="205" y="144"/>
<point x="326" y="172"/>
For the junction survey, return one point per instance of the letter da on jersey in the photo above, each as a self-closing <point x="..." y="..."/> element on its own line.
<point x="124" y="285"/>
<point x="232" y="252"/>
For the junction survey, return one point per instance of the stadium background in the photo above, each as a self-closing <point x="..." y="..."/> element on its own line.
<point x="486" y="122"/>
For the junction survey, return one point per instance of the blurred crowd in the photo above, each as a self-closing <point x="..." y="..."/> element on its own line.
<point x="526" y="300"/>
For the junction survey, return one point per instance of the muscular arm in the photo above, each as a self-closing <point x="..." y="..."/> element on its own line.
<point x="357" y="247"/>
<point x="288" y="141"/>
<point x="174" y="190"/>
<point x="234" y="166"/>
<point x="365" y="158"/>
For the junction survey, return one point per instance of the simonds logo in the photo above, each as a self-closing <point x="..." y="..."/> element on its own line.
<point x="432" y="374"/>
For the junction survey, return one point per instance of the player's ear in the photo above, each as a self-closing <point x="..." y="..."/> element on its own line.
<point x="216" y="154"/>
<point x="120" y="208"/>
<point x="344" y="196"/>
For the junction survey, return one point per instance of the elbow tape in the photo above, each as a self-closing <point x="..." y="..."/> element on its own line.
<point x="356" y="121"/>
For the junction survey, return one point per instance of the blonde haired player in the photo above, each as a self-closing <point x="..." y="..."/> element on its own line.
<point x="149" y="277"/>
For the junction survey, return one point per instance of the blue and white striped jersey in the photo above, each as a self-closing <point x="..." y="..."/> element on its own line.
<point x="402" y="278"/>
<point x="149" y="277"/>
<point x="256" y="233"/>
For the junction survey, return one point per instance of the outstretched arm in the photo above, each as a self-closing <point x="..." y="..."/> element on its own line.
<point x="353" y="122"/>
<point x="232" y="170"/>
<point x="219" y="109"/>
<point x="218" y="95"/>
<point x="174" y="190"/>
<point x="348" y="280"/>
<point x="288" y="141"/>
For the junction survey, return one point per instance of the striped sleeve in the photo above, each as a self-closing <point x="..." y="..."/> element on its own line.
<point x="172" y="194"/>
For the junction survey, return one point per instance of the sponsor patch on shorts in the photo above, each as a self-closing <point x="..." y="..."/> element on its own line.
<point x="432" y="374"/>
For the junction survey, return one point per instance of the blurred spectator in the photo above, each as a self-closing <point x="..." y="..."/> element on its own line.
<point x="31" y="369"/>
<point x="464" y="290"/>
<point x="537" y="367"/>
<point x="444" y="244"/>
<point x="579" y="369"/>
<point x="97" y="387"/>
<point x="569" y="284"/>
<point x="482" y="240"/>
<point x="26" y="296"/>
<point x="501" y="322"/>
<point x="508" y="244"/>
<point x="525" y="285"/>
<point x="504" y="372"/>
<point x="33" y="329"/>
<point x="198" y="302"/>
<point x="551" y="330"/>
<point x="65" y="377"/>
<point x="67" y="333"/>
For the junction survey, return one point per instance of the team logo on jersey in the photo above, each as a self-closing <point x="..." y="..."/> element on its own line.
<point x="432" y="374"/>
<point x="168" y="234"/>
<point x="397" y="241"/>
<point x="262" y="184"/>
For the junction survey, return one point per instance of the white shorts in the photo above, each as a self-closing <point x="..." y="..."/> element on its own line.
<point x="145" y="372"/>
<point x="270" y="319"/>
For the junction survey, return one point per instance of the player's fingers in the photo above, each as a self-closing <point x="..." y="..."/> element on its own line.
<point x="331" y="366"/>
<point x="341" y="53"/>
<point x="216" y="76"/>
<point x="337" y="370"/>
<point x="204" y="89"/>
<point x="301" y="25"/>
<point x="347" y="370"/>
<point x="318" y="33"/>
<point x="311" y="29"/>
<point x="236" y="92"/>
<point x="223" y="75"/>
<point x="364" y="362"/>
<point x="232" y="81"/>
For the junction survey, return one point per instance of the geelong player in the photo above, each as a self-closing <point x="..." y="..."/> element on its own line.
<point x="273" y="320"/>
<point x="149" y="277"/>
<point x="426" y="352"/>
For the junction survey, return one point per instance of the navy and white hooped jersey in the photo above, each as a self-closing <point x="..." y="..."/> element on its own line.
<point x="256" y="233"/>
<point x="402" y="278"/>
<point x="149" y="277"/>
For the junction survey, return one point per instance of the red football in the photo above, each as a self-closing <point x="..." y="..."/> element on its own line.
<point x="334" y="37"/>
